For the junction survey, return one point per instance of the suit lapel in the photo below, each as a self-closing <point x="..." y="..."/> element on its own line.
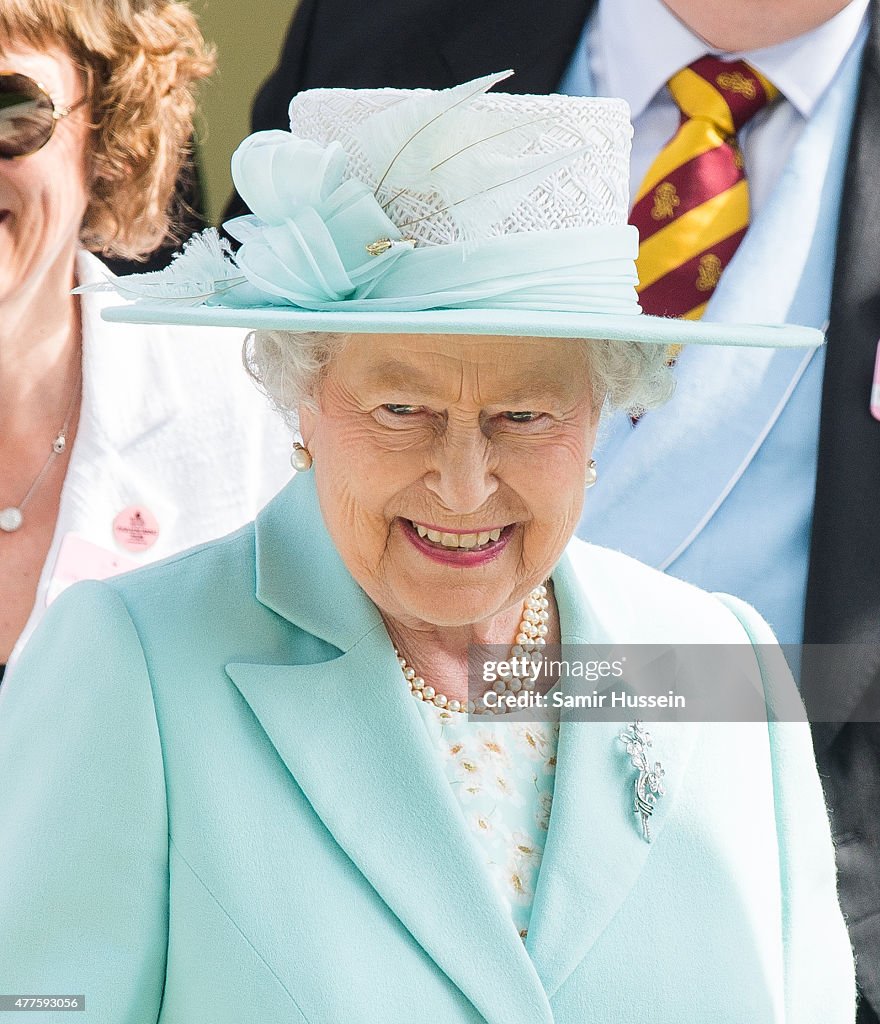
<point x="843" y="589"/>
<point x="353" y="740"/>
<point x="843" y="586"/>
<point x="727" y="400"/>
<point x="595" y="852"/>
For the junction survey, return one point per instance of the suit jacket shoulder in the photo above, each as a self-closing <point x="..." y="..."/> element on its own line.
<point x="431" y="44"/>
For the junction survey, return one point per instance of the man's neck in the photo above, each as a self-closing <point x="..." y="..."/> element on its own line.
<point x="753" y="24"/>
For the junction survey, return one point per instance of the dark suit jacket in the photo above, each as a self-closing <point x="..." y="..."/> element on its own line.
<point x="439" y="43"/>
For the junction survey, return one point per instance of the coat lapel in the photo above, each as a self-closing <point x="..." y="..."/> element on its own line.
<point x="595" y="852"/>
<point x="843" y="590"/>
<point x="728" y="399"/>
<point x="118" y="411"/>
<point x="353" y="740"/>
<point x="354" y="743"/>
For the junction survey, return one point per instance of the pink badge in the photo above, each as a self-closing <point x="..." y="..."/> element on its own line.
<point x="875" y="387"/>
<point x="135" y="528"/>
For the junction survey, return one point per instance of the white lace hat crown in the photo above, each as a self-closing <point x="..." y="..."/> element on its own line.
<point x="587" y="186"/>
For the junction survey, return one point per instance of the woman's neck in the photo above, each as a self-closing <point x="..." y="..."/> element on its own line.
<point x="40" y="354"/>
<point x="439" y="654"/>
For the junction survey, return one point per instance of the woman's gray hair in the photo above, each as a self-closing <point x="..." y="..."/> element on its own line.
<point x="289" y="368"/>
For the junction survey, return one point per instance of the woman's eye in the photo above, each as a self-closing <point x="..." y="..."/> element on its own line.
<point x="401" y="410"/>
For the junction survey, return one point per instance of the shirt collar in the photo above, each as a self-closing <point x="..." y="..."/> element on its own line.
<point x="638" y="45"/>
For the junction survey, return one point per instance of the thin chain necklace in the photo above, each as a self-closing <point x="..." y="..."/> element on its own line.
<point x="530" y="638"/>
<point x="12" y="518"/>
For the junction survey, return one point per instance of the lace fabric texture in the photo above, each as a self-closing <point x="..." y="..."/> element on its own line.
<point x="588" y="190"/>
<point x="502" y="774"/>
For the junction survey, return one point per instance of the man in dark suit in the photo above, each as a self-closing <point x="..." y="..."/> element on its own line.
<point x="832" y="554"/>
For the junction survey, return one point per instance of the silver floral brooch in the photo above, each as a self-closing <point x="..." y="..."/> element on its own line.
<point x="649" y="783"/>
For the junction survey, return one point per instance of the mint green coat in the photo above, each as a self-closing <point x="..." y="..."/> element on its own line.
<point x="219" y="806"/>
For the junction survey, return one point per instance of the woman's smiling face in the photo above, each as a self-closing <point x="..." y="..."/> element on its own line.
<point x="44" y="196"/>
<point x="451" y="470"/>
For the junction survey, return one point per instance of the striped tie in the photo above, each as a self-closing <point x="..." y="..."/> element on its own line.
<point x="693" y="207"/>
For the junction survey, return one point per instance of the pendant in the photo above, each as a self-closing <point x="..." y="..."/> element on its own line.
<point x="649" y="783"/>
<point x="10" y="519"/>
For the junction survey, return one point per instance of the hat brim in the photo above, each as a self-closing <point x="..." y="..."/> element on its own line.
<point x="650" y="330"/>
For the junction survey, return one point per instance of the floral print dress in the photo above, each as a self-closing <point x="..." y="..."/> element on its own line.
<point x="502" y="774"/>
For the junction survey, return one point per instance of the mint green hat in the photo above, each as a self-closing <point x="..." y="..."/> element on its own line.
<point x="388" y="211"/>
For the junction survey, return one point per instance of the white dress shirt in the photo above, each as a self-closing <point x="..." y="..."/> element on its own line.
<point x="631" y="48"/>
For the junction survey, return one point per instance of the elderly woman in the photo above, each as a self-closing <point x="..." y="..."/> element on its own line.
<point x="244" y="785"/>
<point x="118" y="445"/>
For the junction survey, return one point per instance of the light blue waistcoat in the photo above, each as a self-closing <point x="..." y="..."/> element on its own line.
<point x="717" y="487"/>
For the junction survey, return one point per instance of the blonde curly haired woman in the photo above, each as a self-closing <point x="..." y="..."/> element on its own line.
<point x="106" y="459"/>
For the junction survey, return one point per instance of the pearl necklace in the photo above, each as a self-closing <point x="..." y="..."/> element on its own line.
<point x="530" y="637"/>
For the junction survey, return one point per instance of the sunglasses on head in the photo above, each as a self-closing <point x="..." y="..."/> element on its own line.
<point x="28" y="115"/>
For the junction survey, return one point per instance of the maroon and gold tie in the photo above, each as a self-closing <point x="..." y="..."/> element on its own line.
<point x="693" y="207"/>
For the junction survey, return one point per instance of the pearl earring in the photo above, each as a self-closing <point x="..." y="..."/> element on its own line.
<point x="591" y="475"/>
<point x="300" y="458"/>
